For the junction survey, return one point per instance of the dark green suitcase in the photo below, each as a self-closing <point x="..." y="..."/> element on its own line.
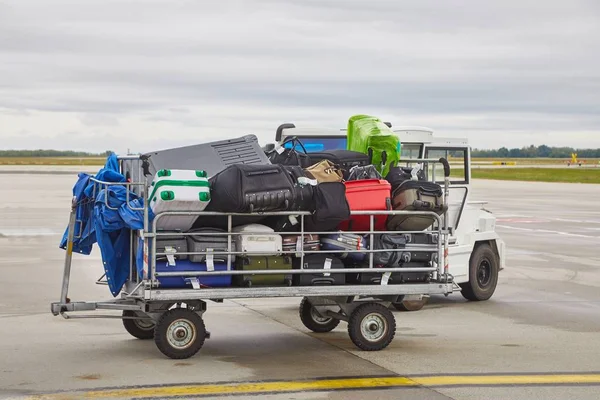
<point x="262" y="263"/>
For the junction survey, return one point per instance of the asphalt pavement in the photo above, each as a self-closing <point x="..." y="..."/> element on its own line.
<point x="543" y="319"/>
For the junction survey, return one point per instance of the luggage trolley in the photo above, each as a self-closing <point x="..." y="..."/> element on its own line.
<point x="173" y="316"/>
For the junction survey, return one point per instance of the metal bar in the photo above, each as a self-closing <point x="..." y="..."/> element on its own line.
<point x="69" y="256"/>
<point x="298" y="291"/>
<point x="292" y="271"/>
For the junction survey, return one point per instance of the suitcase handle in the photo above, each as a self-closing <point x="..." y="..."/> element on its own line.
<point x="265" y="172"/>
<point x="322" y="281"/>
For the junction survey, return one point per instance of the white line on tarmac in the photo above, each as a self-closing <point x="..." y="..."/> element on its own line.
<point x="548" y="231"/>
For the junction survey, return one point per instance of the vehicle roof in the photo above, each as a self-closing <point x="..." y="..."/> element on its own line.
<point x="407" y="134"/>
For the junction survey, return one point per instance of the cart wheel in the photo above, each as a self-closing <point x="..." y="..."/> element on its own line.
<point x="483" y="274"/>
<point x="372" y="327"/>
<point x="138" y="328"/>
<point x="179" y="333"/>
<point x="313" y="321"/>
<point x="411" y="305"/>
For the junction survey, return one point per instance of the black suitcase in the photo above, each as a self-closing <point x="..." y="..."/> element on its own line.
<point x="318" y="261"/>
<point x="345" y="159"/>
<point x="422" y="238"/>
<point x="251" y="188"/>
<point x="374" y="278"/>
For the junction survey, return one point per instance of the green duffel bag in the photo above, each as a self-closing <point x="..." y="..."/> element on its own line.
<point x="262" y="263"/>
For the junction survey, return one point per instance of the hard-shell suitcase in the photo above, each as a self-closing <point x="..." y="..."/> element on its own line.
<point x="196" y="281"/>
<point x="172" y="244"/>
<point x="375" y="278"/>
<point x="370" y="135"/>
<point x="422" y="239"/>
<point x="178" y="190"/>
<point x="212" y="157"/>
<point x="205" y="240"/>
<point x="257" y="240"/>
<point x="263" y="263"/>
<point x="416" y="196"/>
<point x="244" y="188"/>
<point x="319" y="261"/>
<point x="294" y="243"/>
<point x="367" y="195"/>
<point x="345" y="159"/>
<point x="343" y="241"/>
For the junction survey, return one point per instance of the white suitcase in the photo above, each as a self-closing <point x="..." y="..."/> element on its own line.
<point x="179" y="190"/>
<point x="262" y="241"/>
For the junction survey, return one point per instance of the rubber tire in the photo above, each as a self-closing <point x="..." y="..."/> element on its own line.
<point x="134" y="329"/>
<point x="160" y="333"/>
<point x="354" y="327"/>
<point x="411" y="305"/>
<point x="307" y="319"/>
<point x="472" y="290"/>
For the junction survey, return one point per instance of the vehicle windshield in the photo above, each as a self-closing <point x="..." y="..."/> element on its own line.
<point x="318" y="143"/>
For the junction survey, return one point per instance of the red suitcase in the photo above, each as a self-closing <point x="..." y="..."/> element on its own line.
<point x="367" y="195"/>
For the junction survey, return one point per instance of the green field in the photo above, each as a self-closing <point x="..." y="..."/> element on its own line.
<point x="52" y="160"/>
<point x="574" y="175"/>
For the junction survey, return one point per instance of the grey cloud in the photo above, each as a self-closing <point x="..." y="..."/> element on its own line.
<point x="510" y="64"/>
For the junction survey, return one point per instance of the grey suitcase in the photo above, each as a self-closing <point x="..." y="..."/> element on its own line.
<point x="212" y="157"/>
<point x="203" y="241"/>
<point x="173" y="243"/>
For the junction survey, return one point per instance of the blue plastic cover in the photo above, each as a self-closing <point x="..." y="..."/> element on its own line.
<point x="104" y="217"/>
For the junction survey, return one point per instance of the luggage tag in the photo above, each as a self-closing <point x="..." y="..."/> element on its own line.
<point x="415" y="171"/>
<point x="279" y="149"/>
<point x="170" y="255"/>
<point x="299" y="246"/>
<point x="194" y="282"/>
<point x="210" y="261"/>
<point x="327" y="265"/>
<point x="385" y="278"/>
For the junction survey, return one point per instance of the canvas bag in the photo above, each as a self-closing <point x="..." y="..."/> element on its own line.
<point x="325" y="171"/>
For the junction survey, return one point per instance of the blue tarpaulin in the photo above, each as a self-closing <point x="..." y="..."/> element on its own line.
<point x="104" y="217"/>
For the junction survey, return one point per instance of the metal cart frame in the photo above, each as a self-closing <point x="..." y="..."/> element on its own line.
<point x="173" y="317"/>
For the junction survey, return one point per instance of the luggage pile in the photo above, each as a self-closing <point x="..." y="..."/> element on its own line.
<point x="326" y="185"/>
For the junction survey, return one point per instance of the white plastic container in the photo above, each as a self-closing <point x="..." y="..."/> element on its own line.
<point x="261" y="241"/>
<point x="179" y="190"/>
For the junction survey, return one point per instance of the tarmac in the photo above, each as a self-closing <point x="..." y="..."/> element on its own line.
<point x="537" y="338"/>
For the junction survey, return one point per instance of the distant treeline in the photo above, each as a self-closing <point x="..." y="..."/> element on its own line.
<point x="536" y="152"/>
<point x="50" y="153"/>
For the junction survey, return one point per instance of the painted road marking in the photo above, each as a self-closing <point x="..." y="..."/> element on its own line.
<point x="331" y="384"/>
<point x="548" y="231"/>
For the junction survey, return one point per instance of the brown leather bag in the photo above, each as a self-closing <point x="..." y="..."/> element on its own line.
<point x="325" y="171"/>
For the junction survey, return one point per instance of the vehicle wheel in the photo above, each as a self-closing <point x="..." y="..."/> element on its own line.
<point x="313" y="321"/>
<point x="138" y="328"/>
<point x="411" y="305"/>
<point x="372" y="327"/>
<point x="180" y="333"/>
<point x="483" y="274"/>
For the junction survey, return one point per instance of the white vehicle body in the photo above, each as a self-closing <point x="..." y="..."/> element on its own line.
<point x="471" y="224"/>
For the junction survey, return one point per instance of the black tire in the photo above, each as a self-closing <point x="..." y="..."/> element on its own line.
<point x="141" y="329"/>
<point x="411" y="305"/>
<point x="483" y="274"/>
<point x="313" y="321"/>
<point x="372" y="327"/>
<point x="180" y="333"/>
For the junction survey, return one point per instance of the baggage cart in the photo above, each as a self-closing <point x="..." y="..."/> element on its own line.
<point x="173" y="316"/>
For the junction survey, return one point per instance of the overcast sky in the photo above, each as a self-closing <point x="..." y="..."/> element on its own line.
<point x="98" y="75"/>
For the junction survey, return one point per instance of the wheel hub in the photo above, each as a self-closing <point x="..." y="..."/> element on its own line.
<point x="317" y="318"/>
<point x="484" y="273"/>
<point x="373" y="327"/>
<point x="181" y="334"/>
